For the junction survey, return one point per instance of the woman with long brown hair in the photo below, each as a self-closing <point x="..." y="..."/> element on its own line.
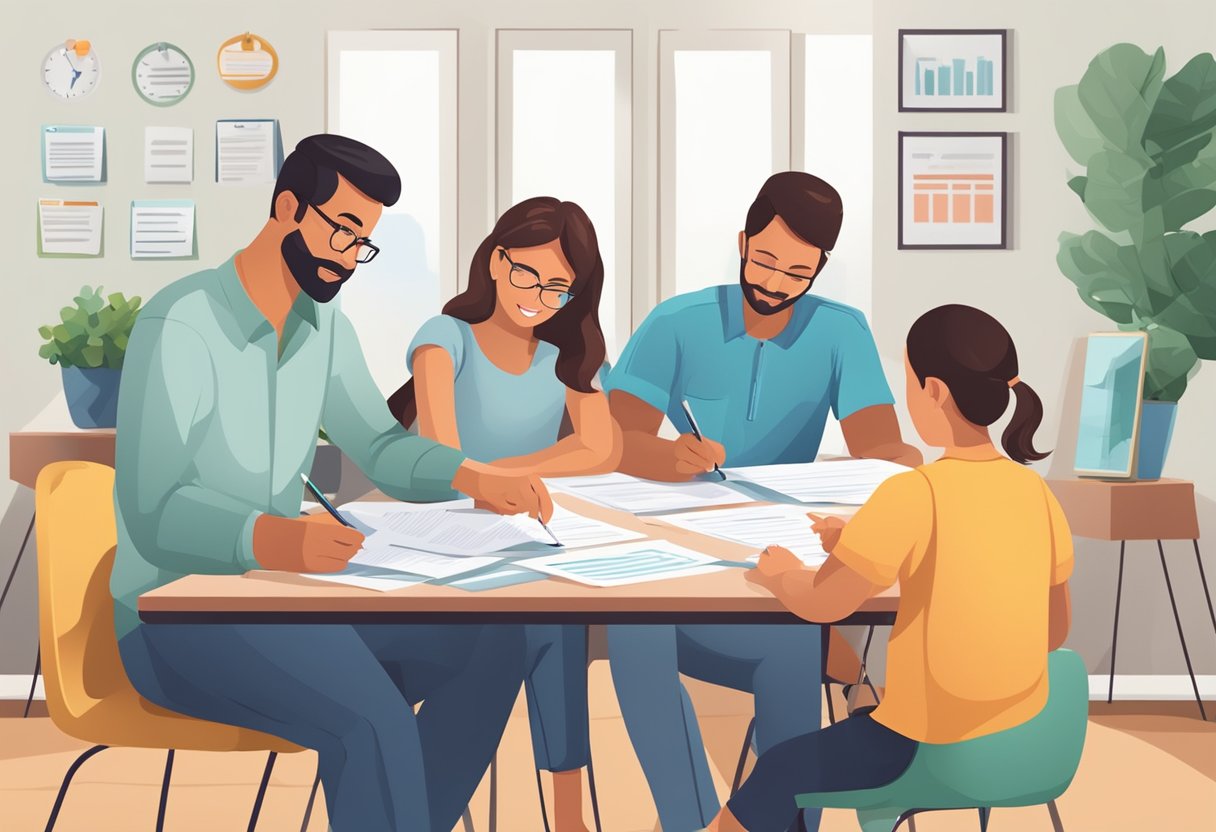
<point x="514" y="355"/>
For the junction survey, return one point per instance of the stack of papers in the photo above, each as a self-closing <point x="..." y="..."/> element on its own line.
<point x="848" y="482"/>
<point x="758" y="526"/>
<point x="574" y="530"/>
<point x="638" y="496"/>
<point x="627" y="563"/>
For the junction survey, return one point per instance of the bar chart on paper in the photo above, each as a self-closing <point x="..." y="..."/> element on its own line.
<point x="961" y="70"/>
<point x="956" y="76"/>
<point x="952" y="188"/>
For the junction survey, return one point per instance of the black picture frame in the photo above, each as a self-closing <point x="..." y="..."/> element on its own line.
<point x="1002" y="205"/>
<point x="1003" y="34"/>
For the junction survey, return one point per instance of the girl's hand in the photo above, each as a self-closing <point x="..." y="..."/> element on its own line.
<point x="828" y="529"/>
<point x="774" y="562"/>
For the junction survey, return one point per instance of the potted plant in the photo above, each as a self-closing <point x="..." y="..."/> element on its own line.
<point x="1146" y="143"/>
<point x="88" y="345"/>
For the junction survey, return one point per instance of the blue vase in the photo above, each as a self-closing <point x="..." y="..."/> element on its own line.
<point x="1156" y="428"/>
<point x="92" y="394"/>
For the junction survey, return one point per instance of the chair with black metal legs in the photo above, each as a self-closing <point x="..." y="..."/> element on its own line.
<point x="88" y="694"/>
<point x="12" y="573"/>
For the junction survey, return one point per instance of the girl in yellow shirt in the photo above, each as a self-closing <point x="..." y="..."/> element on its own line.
<point x="982" y="554"/>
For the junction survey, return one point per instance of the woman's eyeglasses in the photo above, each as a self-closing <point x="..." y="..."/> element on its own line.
<point x="525" y="277"/>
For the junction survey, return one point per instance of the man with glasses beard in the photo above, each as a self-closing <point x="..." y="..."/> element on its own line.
<point x="228" y="376"/>
<point x="759" y="364"/>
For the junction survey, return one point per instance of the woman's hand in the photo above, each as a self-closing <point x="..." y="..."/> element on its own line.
<point x="828" y="529"/>
<point x="774" y="562"/>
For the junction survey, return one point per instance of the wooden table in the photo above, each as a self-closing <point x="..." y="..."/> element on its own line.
<point x="718" y="597"/>
<point x="1137" y="510"/>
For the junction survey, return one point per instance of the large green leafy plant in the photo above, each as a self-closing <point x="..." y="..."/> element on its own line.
<point x="93" y="333"/>
<point x="1146" y="142"/>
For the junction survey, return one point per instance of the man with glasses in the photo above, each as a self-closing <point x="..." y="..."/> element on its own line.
<point x="759" y="364"/>
<point x="228" y="376"/>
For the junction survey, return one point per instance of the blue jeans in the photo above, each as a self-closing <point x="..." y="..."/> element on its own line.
<point x="779" y="664"/>
<point x="556" y="685"/>
<point x="348" y="692"/>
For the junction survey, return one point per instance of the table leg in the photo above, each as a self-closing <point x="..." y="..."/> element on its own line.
<point x="1114" y="639"/>
<point x="16" y="563"/>
<point x="1186" y="654"/>
<point x="1204" y="580"/>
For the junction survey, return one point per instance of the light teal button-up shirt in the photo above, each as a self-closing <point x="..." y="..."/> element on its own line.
<point x="216" y="424"/>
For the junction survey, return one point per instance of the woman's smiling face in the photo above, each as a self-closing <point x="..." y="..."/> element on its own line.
<point x="532" y="283"/>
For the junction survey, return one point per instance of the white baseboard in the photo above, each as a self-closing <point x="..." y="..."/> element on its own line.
<point x="1127" y="688"/>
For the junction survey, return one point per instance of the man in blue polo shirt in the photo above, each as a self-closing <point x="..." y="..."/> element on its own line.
<point x="760" y="364"/>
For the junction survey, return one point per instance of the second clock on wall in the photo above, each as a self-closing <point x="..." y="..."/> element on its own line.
<point x="163" y="74"/>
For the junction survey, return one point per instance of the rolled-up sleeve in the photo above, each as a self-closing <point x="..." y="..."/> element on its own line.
<point x="356" y="417"/>
<point x="166" y="397"/>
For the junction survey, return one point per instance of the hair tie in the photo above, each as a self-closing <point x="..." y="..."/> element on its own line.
<point x="1014" y="382"/>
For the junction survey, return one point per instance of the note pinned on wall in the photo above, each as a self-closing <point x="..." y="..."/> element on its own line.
<point x="168" y="154"/>
<point x="247" y="151"/>
<point x="69" y="227"/>
<point x="71" y="153"/>
<point x="162" y="228"/>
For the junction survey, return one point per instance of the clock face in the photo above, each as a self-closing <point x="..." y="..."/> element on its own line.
<point x="163" y="74"/>
<point x="70" y="75"/>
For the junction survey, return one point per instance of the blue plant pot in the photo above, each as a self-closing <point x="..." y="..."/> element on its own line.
<point x="1156" y="429"/>
<point x="92" y="395"/>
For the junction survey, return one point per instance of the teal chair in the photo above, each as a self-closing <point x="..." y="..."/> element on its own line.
<point x="1029" y="765"/>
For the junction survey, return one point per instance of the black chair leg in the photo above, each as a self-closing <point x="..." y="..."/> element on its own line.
<point x="985" y="813"/>
<point x="1186" y="654"/>
<point x="312" y="796"/>
<point x="494" y="793"/>
<point x="747" y="746"/>
<point x="257" y="801"/>
<point x="595" y="798"/>
<point x="29" y="700"/>
<point x="1114" y="639"/>
<point x="164" y="793"/>
<point x="540" y="793"/>
<point x="827" y="692"/>
<point x="1056" y="824"/>
<point x="67" y="781"/>
<point x="1203" y="579"/>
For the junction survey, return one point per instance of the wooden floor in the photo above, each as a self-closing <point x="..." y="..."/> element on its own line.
<point x="1145" y="767"/>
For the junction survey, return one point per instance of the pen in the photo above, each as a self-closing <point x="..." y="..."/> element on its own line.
<point x="545" y="526"/>
<point x="326" y="504"/>
<point x="696" y="431"/>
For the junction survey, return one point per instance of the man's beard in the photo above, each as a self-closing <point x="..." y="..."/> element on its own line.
<point x="304" y="265"/>
<point x="752" y="294"/>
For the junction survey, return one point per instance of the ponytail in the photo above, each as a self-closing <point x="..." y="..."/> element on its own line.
<point x="1018" y="438"/>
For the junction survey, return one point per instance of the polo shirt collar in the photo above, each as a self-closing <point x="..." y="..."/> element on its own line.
<point x="731" y="300"/>
<point x="249" y="319"/>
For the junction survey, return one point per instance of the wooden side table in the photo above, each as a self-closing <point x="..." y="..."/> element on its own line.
<point x="1152" y="510"/>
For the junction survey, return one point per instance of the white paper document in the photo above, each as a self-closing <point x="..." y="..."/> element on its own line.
<point x="625" y="563"/>
<point x="848" y="482"/>
<point x="72" y="154"/>
<point x="368" y="577"/>
<point x="379" y="551"/>
<point x="375" y="508"/>
<point x="168" y="154"/>
<point x="463" y="533"/>
<point x="162" y="228"/>
<point x="574" y="530"/>
<point x="758" y="526"/>
<point x="638" y="496"/>
<point x="247" y="152"/>
<point x="69" y="227"/>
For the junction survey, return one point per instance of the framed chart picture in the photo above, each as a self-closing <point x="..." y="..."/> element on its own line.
<point x="953" y="70"/>
<point x="952" y="190"/>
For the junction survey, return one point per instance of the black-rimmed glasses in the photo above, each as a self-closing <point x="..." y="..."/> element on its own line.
<point x="344" y="239"/>
<point x="525" y="277"/>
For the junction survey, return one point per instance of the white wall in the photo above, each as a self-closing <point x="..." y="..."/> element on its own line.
<point x="1052" y="44"/>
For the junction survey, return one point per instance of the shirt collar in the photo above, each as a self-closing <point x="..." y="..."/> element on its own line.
<point x="731" y="300"/>
<point x="249" y="319"/>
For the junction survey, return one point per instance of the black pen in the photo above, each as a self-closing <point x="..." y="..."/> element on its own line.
<point x="325" y="504"/>
<point x="696" y="431"/>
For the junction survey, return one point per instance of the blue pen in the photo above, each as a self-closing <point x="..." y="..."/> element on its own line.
<point x="325" y="504"/>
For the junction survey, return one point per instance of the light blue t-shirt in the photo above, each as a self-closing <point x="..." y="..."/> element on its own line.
<point x="498" y="414"/>
<point x="765" y="401"/>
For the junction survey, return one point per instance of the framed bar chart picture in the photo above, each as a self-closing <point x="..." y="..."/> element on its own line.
<point x="952" y="190"/>
<point x="953" y="70"/>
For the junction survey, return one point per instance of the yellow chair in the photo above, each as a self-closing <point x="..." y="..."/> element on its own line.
<point x="87" y="691"/>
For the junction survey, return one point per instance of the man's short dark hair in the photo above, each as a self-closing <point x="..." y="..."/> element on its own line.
<point x="808" y="205"/>
<point x="311" y="172"/>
